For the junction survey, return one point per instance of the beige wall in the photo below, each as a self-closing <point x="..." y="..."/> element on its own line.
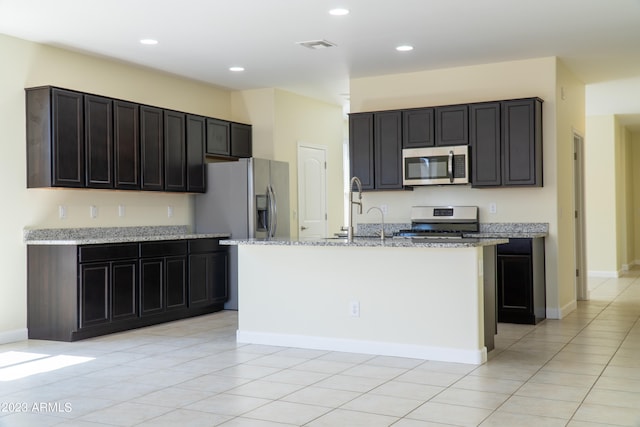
<point x="612" y="160"/>
<point x="570" y="119"/>
<point x="542" y="77"/>
<point x="635" y="184"/>
<point x="29" y="64"/>
<point x="281" y="120"/>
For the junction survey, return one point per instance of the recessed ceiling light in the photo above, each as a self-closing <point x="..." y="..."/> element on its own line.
<point x="404" y="48"/>
<point x="236" y="69"/>
<point x="149" y="41"/>
<point x="339" y="11"/>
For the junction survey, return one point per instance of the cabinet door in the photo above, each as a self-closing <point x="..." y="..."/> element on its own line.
<point x="361" y="148"/>
<point x="124" y="290"/>
<point x="452" y="125"/>
<point x="151" y="147"/>
<point x="126" y="116"/>
<point x="200" y="286"/>
<point x="522" y="142"/>
<point x="94" y="294"/>
<point x="486" y="165"/>
<point x="68" y="139"/>
<point x="176" y="282"/>
<point x="208" y="278"/>
<point x="175" y="174"/>
<point x="417" y="128"/>
<point x="151" y="286"/>
<point x="388" y="150"/>
<point x="514" y="288"/>
<point x="220" y="276"/>
<point x="218" y="137"/>
<point x="241" y="141"/>
<point x="196" y="134"/>
<point x="98" y="141"/>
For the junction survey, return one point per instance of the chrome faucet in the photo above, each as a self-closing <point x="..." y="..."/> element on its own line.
<point x="382" y="226"/>
<point x="355" y="180"/>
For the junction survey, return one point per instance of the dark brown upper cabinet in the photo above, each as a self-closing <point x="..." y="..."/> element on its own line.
<point x="452" y="125"/>
<point x="485" y="141"/>
<point x="375" y="149"/>
<point x="241" y="141"/>
<point x="506" y="143"/>
<point x="418" y="128"/>
<point x="361" y="148"/>
<point x="388" y="150"/>
<point x="196" y="139"/>
<point x="522" y="142"/>
<point x="55" y="138"/>
<point x="175" y="172"/>
<point x="98" y="141"/>
<point x="218" y="137"/>
<point x="126" y="132"/>
<point x="82" y="140"/>
<point x="152" y="148"/>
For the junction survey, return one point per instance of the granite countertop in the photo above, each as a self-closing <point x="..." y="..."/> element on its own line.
<point x="499" y="230"/>
<point x="101" y="235"/>
<point x="373" y="242"/>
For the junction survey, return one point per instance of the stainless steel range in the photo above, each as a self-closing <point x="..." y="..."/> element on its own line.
<point x="441" y="222"/>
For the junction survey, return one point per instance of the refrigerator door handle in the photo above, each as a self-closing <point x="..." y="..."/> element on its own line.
<point x="273" y="212"/>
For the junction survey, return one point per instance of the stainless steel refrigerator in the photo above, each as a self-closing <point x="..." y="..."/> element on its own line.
<point x="249" y="199"/>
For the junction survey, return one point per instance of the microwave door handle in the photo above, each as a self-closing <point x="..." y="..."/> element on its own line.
<point x="450" y="166"/>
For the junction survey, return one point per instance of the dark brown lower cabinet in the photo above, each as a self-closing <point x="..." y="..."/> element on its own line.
<point x="208" y="272"/>
<point x="76" y="292"/>
<point x="521" y="281"/>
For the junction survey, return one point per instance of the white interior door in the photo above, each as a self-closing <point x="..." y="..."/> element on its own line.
<point x="312" y="192"/>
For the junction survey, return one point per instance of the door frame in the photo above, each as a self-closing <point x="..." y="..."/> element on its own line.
<point x="324" y="149"/>
<point x="582" y="290"/>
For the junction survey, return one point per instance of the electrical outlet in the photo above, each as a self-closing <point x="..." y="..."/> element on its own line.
<point x="384" y="208"/>
<point x="493" y="208"/>
<point x="169" y="211"/>
<point x="62" y="212"/>
<point x="354" y="308"/>
<point x="93" y="211"/>
<point x="121" y="211"/>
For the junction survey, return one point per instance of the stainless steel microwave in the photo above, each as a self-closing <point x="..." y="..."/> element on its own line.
<point x="435" y="165"/>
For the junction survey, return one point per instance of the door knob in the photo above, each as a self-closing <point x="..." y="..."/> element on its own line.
<point x="302" y="227"/>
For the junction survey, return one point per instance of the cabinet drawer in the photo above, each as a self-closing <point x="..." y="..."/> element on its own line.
<point x="515" y="246"/>
<point x="205" y="245"/>
<point x="91" y="253"/>
<point x="165" y="248"/>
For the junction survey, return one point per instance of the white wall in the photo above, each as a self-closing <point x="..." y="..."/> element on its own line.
<point x="541" y="77"/>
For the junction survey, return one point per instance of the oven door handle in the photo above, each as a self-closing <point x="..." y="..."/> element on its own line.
<point x="450" y="166"/>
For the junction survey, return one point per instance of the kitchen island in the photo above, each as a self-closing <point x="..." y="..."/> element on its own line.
<point x="417" y="298"/>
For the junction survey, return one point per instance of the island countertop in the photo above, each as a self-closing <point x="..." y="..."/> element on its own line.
<point x="104" y="235"/>
<point x="374" y="242"/>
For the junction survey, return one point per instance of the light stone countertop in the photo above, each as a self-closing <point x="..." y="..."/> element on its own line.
<point x="373" y="242"/>
<point x="103" y="235"/>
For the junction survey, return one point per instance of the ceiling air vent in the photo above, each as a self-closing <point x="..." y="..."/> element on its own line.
<point x="316" y="44"/>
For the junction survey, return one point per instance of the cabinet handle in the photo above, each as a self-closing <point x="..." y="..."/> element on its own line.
<point x="302" y="227"/>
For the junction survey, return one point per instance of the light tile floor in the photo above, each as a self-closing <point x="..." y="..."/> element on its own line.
<point x="581" y="371"/>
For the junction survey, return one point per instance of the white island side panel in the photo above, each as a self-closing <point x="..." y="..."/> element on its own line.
<point x="414" y="302"/>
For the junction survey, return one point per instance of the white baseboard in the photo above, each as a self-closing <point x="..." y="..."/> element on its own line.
<point x="14" y="336"/>
<point x="604" y="273"/>
<point x="555" y="313"/>
<point x="475" y="357"/>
